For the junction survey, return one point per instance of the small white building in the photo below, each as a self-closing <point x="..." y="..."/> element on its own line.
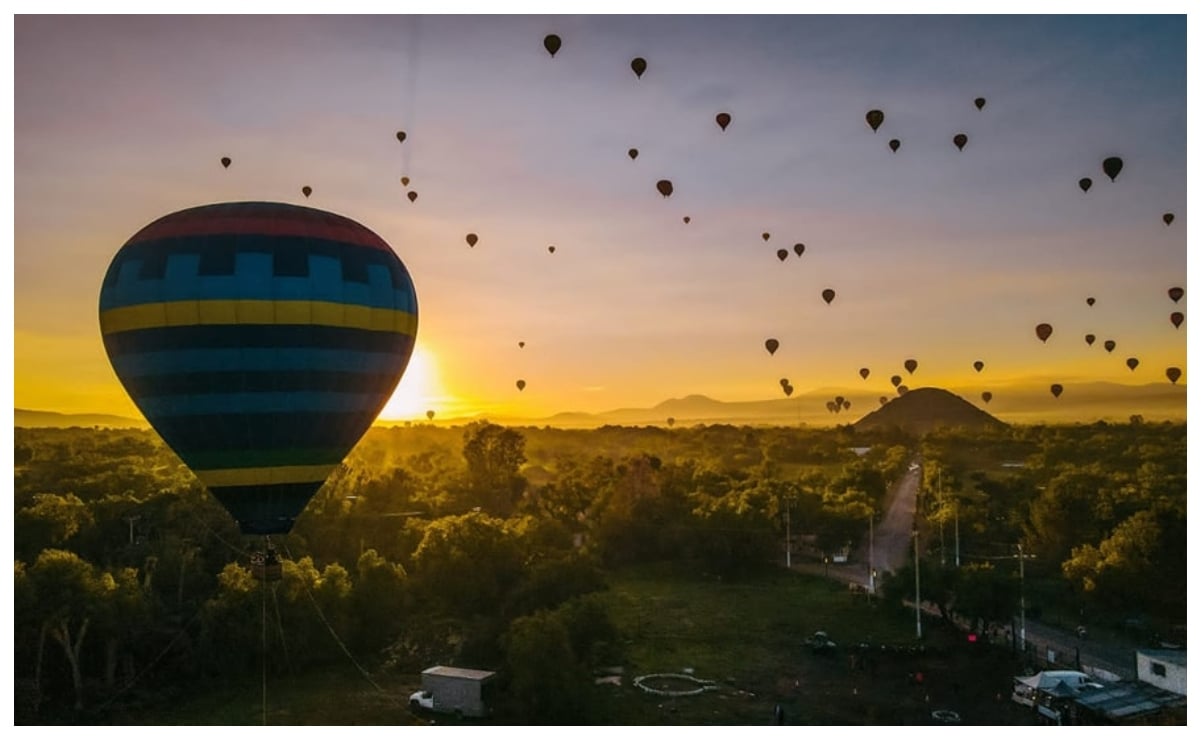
<point x="1163" y="669"/>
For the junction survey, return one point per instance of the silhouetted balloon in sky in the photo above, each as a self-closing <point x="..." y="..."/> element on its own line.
<point x="980" y="103"/>
<point x="1173" y="374"/>
<point x="1110" y="345"/>
<point x="665" y="188"/>
<point x="987" y="396"/>
<point x="978" y="365"/>
<point x="1168" y="218"/>
<point x="723" y="120"/>
<point x="1090" y="338"/>
<point x="241" y="385"/>
<point x="902" y="390"/>
<point x="472" y="239"/>
<point x="638" y="64"/>
<point x="766" y="236"/>
<point x="404" y="181"/>
<point x="671" y="421"/>
<point x="783" y="382"/>
<point x="782" y="254"/>
<point x="633" y="153"/>
<point x="521" y="345"/>
<point x="895" y="380"/>
<point x="1056" y="389"/>
<point x="1131" y="362"/>
<point x="883" y="400"/>
<point x="960" y="141"/>
<point x="1090" y="300"/>
<point x="430" y="414"/>
<point x="1085" y="183"/>
<point x="521" y="385"/>
<point x="1043" y="331"/>
<point x="772" y="345"/>
<point x="846" y="404"/>
<point x="401" y="136"/>
<point x="875" y="118"/>
<point x="225" y="162"/>
<point x="1175" y="294"/>
<point x="828" y="296"/>
<point x="911" y="365"/>
<point x="894" y="144"/>
<point x="552" y="42"/>
<point x="687" y="219"/>
<point x="839" y="400"/>
<point x="831" y="406"/>
<point x="551" y="249"/>
<point x="307" y="191"/>
<point x="412" y="196"/>
<point x="1177" y="319"/>
<point x="788" y="390"/>
<point x="1112" y="167"/>
<point x="799" y="249"/>
<point x="864" y="372"/>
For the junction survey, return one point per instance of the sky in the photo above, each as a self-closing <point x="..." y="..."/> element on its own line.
<point x="935" y="254"/>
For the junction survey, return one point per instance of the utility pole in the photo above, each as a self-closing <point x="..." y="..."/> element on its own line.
<point x="942" y="543"/>
<point x="1022" y="595"/>
<point x="871" y="552"/>
<point x="917" y="587"/>
<point x="956" y="533"/>
<point x="788" y="534"/>
<point x="131" y="519"/>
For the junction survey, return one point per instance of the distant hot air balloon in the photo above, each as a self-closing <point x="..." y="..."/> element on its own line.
<point x="828" y="296"/>
<point x="671" y="421"/>
<point x="412" y="196"/>
<point x="1085" y="183"/>
<point x="987" y="396"/>
<point x="782" y="254"/>
<point x="864" y="372"/>
<point x="1175" y="294"/>
<point x="788" y="390"/>
<point x="980" y="103"/>
<point x="1112" y="166"/>
<point x="665" y="188"/>
<point x="783" y="382"/>
<point x="430" y="414"/>
<point x="883" y="400"/>
<point x="401" y="136"/>
<point x="521" y="345"/>
<point x="307" y="191"/>
<point x="472" y="239"/>
<point x="723" y="120"/>
<point x="240" y="385"/>
<point x="1177" y="319"/>
<point x="521" y="385"/>
<point x="1090" y="300"/>
<point x="765" y="236"/>
<point x="638" y="64"/>
<point x="831" y="406"/>
<point x="225" y="162"/>
<point x="846" y="404"/>
<point x="1043" y="331"/>
<point x="633" y="154"/>
<point x="911" y="365"/>
<point x="799" y="249"/>
<point x="960" y="141"/>
<point x="551" y="249"/>
<point x="1131" y="362"/>
<point x="1090" y="338"/>
<point x="1173" y="374"/>
<point x="404" y="181"/>
<point x="1168" y="218"/>
<point x="1056" y="389"/>
<point x="1110" y="345"/>
<point x="687" y="220"/>
<point x="552" y="43"/>
<point x="875" y="118"/>
<point x="895" y="380"/>
<point x="902" y="390"/>
<point x="978" y="365"/>
<point x="839" y="400"/>
<point x="772" y="345"/>
<point x="894" y="144"/>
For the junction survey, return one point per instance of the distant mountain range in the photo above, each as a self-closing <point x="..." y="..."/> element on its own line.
<point x="1080" y="402"/>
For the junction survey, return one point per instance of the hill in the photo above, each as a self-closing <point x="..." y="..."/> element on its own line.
<point x="38" y="419"/>
<point x="924" y="409"/>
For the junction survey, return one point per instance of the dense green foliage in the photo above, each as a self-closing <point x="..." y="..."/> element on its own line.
<point x="486" y="546"/>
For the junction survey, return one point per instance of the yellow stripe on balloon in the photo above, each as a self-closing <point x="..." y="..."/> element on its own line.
<point x="265" y="476"/>
<point x="223" y="312"/>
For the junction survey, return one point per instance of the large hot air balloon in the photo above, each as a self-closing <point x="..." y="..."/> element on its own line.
<point x="260" y="340"/>
<point x="894" y="144"/>
<point x="772" y="345"/>
<point x="1110" y="345"/>
<point x="1112" y="166"/>
<point x="1168" y="218"/>
<point x="1043" y="331"/>
<point x="521" y="385"/>
<point x="1132" y="363"/>
<point x="864" y="372"/>
<point x="875" y="118"/>
<point x="828" y="296"/>
<point x="979" y="365"/>
<point x="960" y="141"/>
<point x="1085" y="183"/>
<point x="911" y="365"/>
<point x="633" y="154"/>
<point x="782" y="254"/>
<point x="471" y="240"/>
<point x="1090" y="338"/>
<point x="723" y="120"/>
<point x="1175" y="294"/>
<point x="980" y="103"/>
<point x="553" y="43"/>
<point x="1056" y="389"/>
<point x="1173" y="374"/>
<point x="638" y="64"/>
<point x="665" y="188"/>
<point x="987" y="396"/>
<point x="226" y="162"/>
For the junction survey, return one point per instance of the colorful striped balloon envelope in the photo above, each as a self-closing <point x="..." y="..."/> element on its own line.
<point x="260" y="340"/>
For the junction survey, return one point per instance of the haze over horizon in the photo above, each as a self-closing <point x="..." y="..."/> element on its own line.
<point x="936" y="254"/>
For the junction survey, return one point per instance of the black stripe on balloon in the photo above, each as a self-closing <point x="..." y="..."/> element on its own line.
<point x="278" y="431"/>
<point x="239" y="336"/>
<point x="266" y="509"/>
<point x="266" y="381"/>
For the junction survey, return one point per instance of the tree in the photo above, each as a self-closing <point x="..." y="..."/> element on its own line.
<point x="984" y="594"/>
<point x="467" y="564"/>
<point x="49" y="521"/>
<point x="494" y="454"/>
<point x="547" y="684"/>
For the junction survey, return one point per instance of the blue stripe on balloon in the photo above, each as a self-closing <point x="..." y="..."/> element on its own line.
<point x="257" y="403"/>
<point x="136" y="365"/>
